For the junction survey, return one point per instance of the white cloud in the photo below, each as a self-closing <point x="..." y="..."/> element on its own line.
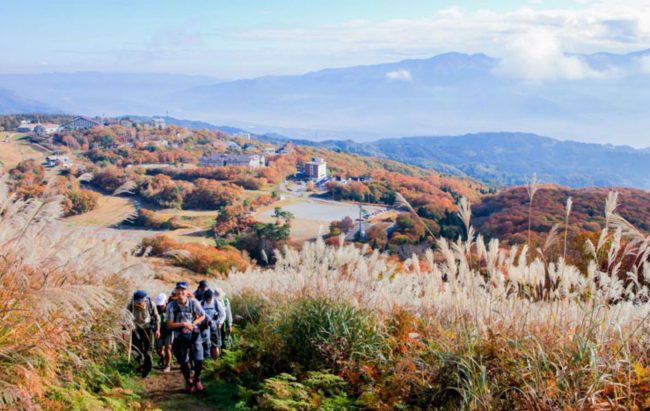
<point x="538" y="56"/>
<point x="617" y="26"/>
<point x="401" y="75"/>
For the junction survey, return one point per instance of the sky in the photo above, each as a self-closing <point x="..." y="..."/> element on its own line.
<point x="240" y="39"/>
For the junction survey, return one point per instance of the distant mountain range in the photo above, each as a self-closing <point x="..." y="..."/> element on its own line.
<point x="508" y="159"/>
<point x="191" y="124"/>
<point x="11" y="103"/>
<point x="448" y="94"/>
<point x="95" y="93"/>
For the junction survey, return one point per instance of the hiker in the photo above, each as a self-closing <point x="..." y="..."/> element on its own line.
<point x="214" y="313"/>
<point x="164" y="342"/>
<point x="183" y="317"/>
<point x="146" y="327"/>
<point x="225" y="325"/>
<point x="200" y="290"/>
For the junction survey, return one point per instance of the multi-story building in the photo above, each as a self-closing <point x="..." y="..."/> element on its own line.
<point x="316" y="169"/>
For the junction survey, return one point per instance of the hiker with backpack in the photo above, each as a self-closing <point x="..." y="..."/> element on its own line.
<point x="146" y="328"/>
<point x="164" y="342"/>
<point x="214" y="313"/>
<point x="184" y="315"/>
<point x="225" y="324"/>
<point x="201" y="289"/>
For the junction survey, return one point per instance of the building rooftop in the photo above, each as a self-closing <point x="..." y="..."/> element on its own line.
<point x="231" y="156"/>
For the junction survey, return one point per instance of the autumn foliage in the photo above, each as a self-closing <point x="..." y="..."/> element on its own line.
<point x="79" y="201"/>
<point x="199" y="258"/>
<point x="504" y="215"/>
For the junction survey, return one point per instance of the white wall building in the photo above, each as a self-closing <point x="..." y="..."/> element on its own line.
<point x="25" y="127"/>
<point x="46" y="129"/>
<point x="235" y="160"/>
<point x="54" y="161"/>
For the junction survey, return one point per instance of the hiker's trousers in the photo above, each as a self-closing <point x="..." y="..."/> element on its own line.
<point x="187" y="347"/>
<point x="142" y="342"/>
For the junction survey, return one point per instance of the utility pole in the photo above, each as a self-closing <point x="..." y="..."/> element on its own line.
<point x="361" y="220"/>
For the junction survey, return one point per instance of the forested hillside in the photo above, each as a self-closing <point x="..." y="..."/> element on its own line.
<point x="504" y="215"/>
<point x="505" y="159"/>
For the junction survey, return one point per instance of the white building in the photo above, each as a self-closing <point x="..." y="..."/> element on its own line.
<point x="316" y="169"/>
<point x="232" y="145"/>
<point x="26" y="127"/>
<point x="55" y="161"/>
<point x="46" y="129"/>
<point x="158" y="122"/>
<point x="234" y="160"/>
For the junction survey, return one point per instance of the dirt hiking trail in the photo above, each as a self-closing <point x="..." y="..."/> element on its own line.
<point x="164" y="391"/>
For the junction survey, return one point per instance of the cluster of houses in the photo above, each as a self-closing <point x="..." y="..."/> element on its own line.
<point x="155" y="123"/>
<point x="84" y="123"/>
<point x="43" y="131"/>
<point x="315" y="170"/>
<point x="48" y="129"/>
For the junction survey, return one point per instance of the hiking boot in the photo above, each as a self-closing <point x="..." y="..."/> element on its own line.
<point x="199" y="386"/>
<point x="144" y="371"/>
<point x="167" y="369"/>
<point x="189" y="386"/>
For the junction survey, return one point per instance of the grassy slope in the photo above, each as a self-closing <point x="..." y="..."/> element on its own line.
<point x="14" y="150"/>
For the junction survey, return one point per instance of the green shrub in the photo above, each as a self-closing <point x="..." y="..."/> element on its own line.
<point x="321" y="333"/>
<point x="249" y="308"/>
<point x="319" y="391"/>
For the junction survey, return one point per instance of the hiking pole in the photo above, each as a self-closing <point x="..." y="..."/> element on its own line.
<point x="129" y="348"/>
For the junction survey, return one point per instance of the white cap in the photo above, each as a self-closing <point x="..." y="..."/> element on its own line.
<point x="161" y="299"/>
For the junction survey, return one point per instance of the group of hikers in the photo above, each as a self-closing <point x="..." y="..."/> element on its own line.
<point x="191" y="326"/>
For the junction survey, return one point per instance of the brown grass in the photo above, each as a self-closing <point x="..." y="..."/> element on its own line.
<point x="15" y="151"/>
<point x="110" y="211"/>
<point x="494" y="325"/>
<point x="61" y="299"/>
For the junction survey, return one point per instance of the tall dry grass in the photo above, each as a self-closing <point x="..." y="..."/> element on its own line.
<point x="573" y="339"/>
<point x="61" y="304"/>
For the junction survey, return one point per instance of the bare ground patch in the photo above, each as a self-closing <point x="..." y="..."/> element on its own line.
<point x="110" y="211"/>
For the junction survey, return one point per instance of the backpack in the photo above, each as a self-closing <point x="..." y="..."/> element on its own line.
<point x="210" y="321"/>
<point x="177" y="309"/>
<point x="146" y="317"/>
